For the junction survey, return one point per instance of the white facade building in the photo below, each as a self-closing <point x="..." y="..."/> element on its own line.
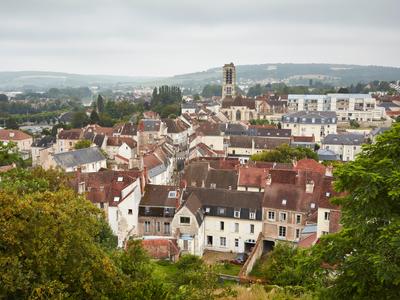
<point x="358" y="107"/>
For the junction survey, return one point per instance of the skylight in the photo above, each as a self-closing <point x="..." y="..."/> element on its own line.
<point x="172" y="194"/>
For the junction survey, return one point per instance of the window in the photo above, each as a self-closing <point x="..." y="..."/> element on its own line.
<point x="171" y="194"/>
<point x="236" y="213"/>
<point x="312" y="205"/>
<point x="130" y="212"/>
<point x="271" y="215"/>
<point x="209" y="240"/>
<point x="325" y="232"/>
<point x="236" y="242"/>
<point x="120" y="179"/>
<point x="116" y="215"/>
<point x="297" y="233"/>
<point x="167" y="228"/>
<point x="284" y="201"/>
<point x="282" y="231"/>
<point x="146" y="226"/>
<point x="185" y="220"/>
<point x="221" y="211"/>
<point x="282" y="217"/>
<point x="251" y="228"/>
<point x="213" y="185"/>
<point x="158" y="226"/>
<point x="252" y="215"/>
<point x="221" y="225"/>
<point x="298" y="219"/>
<point x="116" y="199"/>
<point x="222" y="241"/>
<point x="101" y="204"/>
<point x="327" y="216"/>
<point x="236" y="227"/>
<point x="207" y="209"/>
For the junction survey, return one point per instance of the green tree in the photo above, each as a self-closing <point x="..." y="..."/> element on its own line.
<point x="11" y="123"/>
<point x="82" y="144"/>
<point x="196" y="280"/>
<point x="54" y="244"/>
<point x="285" y="154"/>
<point x="3" y="98"/>
<point x="48" y="246"/>
<point x="366" y="252"/>
<point x="94" y="117"/>
<point x="211" y="90"/>
<point x="9" y="154"/>
<point x="80" y="119"/>
<point x="100" y="104"/>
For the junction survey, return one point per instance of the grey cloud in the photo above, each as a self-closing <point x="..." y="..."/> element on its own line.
<point x="149" y="37"/>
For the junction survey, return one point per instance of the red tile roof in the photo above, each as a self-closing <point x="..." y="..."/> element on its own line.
<point x="70" y="134"/>
<point x="308" y="241"/>
<point x="13" y="135"/>
<point x="252" y="177"/>
<point x="307" y="164"/>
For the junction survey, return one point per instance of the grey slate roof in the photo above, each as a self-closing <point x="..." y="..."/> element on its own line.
<point x="45" y="142"/>
<point x="344" y="139"/>
<point x="379" y="130"/>
<point x="324" y="154"/>
<point x="306" y="117"/>
<point x="79" y="157"/>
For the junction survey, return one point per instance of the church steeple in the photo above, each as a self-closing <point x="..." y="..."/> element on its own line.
<point x="229" y="81"/>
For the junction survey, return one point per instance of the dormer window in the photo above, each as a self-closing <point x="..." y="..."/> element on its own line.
<point x="213" y="185"/>
<point x="172" y="194"/>
<point x="284" y="201"/>
<point x="207" y="209"/>
<point x="252" y="215"/>
<point x="236" y="213"/>
<point x="328" y="194"/>
<point x="312" y="205"/>
<point x="120" y="179"/>
<point x="221" y="211"/>
<point x="116" y="199"/>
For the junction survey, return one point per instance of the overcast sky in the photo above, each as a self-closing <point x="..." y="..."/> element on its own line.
<point x="166" y="37"/>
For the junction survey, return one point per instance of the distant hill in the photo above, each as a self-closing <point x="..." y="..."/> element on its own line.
<point x="45" y="80"/>
<point x="294" y="74"/>
<point x="291" y="74"/>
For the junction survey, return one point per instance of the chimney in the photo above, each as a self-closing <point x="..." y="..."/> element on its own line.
<point x="177" y="200"/>
<point x="329" y="171"/>
<point x="294" y="162"/>
<point x="310" y="187"/>
<point x="269" y="179"/>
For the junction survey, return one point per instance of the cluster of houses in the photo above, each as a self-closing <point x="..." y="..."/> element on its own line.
<point x="186" y="185"/>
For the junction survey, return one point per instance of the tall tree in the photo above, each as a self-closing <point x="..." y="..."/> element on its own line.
<point x="100" y="104"/>
<point x="366" y="253"/>
<point x="94" y="117"/>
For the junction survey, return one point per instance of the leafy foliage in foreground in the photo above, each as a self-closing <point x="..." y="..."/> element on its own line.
<point x="56" y="244"/>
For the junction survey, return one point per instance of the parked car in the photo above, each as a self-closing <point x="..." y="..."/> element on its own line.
<point x="240" y="259"/>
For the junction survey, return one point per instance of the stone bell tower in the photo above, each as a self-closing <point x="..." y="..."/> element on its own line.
<point x="229" y="81"/>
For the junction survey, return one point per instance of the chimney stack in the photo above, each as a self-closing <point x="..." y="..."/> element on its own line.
<point x="329" y="171"/>
<point x="269" y="179"/>
<point x="310" y="187"/>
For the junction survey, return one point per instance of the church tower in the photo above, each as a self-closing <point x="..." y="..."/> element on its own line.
<point x="229" y="81"/>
